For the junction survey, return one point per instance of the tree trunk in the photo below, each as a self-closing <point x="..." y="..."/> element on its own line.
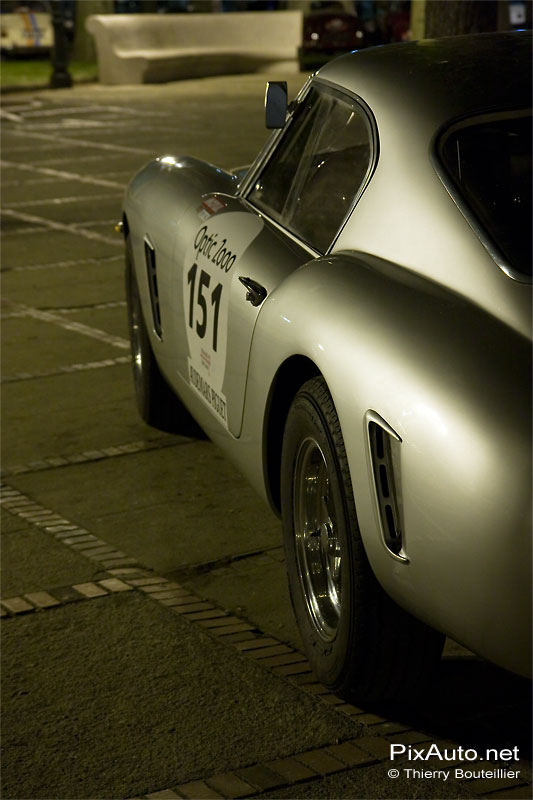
<point x="83" y="49"/>
<point x="453" y="17"/>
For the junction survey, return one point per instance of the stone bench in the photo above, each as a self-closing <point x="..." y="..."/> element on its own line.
<point x="155" y="48"/>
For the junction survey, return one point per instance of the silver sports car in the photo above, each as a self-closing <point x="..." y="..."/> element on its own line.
<point x="349" y="319"/>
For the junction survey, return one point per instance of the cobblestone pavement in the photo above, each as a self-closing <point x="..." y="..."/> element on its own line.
<point x="148" y="644"/>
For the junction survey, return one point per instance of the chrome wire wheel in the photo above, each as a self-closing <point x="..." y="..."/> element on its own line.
<point x="318" y="548"/>
<point x="359" y="643"/>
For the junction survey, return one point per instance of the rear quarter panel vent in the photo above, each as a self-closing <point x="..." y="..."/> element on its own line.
<point x="385" y="452"/>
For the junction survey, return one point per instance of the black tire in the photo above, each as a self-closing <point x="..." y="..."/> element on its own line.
<point x="360" y="644"/>
<point x="157" y="403"/>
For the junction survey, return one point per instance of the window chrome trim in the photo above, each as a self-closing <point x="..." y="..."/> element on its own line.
<point x="268" y="151"/>
<point x="455" y="194"/>
<point x="313" y="252"/>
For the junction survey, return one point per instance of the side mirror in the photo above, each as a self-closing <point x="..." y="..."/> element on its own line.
<point x="276" y="104"/>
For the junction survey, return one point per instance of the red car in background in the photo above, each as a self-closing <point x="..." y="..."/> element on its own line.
<point x="329" y="30"/>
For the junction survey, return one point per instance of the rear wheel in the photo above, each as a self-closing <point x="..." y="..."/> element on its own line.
<point x="359" y="642"/>
<point x="157" y="403"/>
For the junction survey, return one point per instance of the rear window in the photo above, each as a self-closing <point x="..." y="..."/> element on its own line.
<point x="489" y="162"/>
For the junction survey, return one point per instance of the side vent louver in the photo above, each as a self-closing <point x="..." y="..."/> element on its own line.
<point x="149" y="253"/>
<point x="382" y="446"/>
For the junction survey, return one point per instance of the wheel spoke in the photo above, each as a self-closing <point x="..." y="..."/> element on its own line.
<point x="317" y="544"/>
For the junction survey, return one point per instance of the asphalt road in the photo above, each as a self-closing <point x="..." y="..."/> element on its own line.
<point x="148" y="642"/>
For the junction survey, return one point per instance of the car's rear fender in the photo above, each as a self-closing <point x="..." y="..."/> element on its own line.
<point x="454" y="384"/>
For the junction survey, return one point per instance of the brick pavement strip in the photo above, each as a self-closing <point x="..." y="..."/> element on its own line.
<point x="352" y="755"/>
<point x="282" y="772"/>
<point x="109" y="557"/>
<point x="282" y="660"/>
<point x="17" y="605"/>
<point x="245" y="638"/>
<point x="198" y="790"/>
<point x="59" y="461"/>
<point x="202" y="616"/>
<point x="118" y="562"/>
<point x="168" y="593"/>
<point x="310" y="685"/>
<point x="291" y="769"/>
<point x="411" y="737"/>
<point x="92" y="551"/>
<point x="227" y="629"/>
<point x="351" y="710"/>
<point x="153" y="579"/>
<point x="313" y="765"/>
<point x="241" y="636"/>
<point x="148" y="585"/>
<point x="294" y="669"/>
<point x="230" y="785"/>
<point x="42" y="599"/>
<point x="256" y="644"/>
<point x="275" y="650"/>
<point x="373" y="745"/>
<point x="321" y="762"/>
<point x="81" y="541"/>
<point x="115" y="585"/>
<point x="184" y="604"/>
<point x="219" y="622"/>
<point x="128" y="572"/>
<point x="388" y="728"/>
<point x="62" y="530"/>
<point x="310" y="765"/>
<point x="90" y="589"/>
<point x="179" y="599"/>
<point x="183" y="610"/>
<point x="261" y="777"/>
<point x="60" y="526"/>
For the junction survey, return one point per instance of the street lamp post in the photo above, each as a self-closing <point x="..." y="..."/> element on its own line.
<point x="61" y="77"/>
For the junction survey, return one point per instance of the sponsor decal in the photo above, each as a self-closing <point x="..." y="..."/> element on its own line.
<point x="211" y="205"/>
<point x="210" y="270"/>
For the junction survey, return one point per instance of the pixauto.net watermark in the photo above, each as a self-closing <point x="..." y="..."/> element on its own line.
<point x="456" y="762"/>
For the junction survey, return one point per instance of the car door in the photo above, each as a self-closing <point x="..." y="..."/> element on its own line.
<point x="241" y="249"/>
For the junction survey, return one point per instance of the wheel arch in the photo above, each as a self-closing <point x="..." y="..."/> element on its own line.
<point x="289" y="378"/>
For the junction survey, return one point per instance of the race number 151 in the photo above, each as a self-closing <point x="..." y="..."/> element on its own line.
<point x="203" y="314"/>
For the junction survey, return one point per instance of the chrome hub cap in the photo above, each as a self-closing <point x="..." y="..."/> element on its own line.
<point x="318" y="550"/>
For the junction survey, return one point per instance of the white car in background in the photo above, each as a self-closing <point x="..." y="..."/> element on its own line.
<point x="25" y="30"/>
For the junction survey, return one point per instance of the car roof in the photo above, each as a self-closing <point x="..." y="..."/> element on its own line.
<point x="439" y="79"/>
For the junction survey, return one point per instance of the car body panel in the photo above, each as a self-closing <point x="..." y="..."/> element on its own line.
<point x="465" y="512"/>
<point x="194" y="233"/>
<point x="408" y="316"/>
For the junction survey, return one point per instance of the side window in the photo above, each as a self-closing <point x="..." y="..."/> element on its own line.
<point x="313" y="176"/>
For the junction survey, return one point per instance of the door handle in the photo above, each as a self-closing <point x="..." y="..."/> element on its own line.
<point x="256" y="293"/>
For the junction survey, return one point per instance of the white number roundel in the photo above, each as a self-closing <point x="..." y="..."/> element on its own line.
<point x="210" y="269"/>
